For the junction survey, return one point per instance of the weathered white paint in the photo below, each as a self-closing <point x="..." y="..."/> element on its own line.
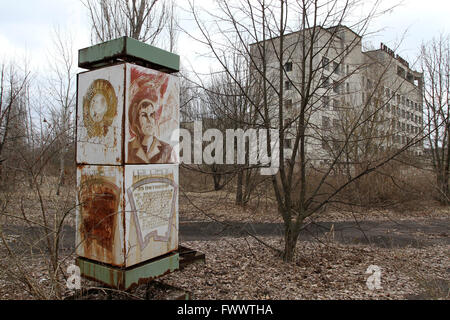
<point x="151" y="219"/>
<point x="105" y="148"/>
<point x="146" y="217"/>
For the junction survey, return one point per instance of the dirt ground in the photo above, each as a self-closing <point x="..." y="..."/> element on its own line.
<point x="411" y="249"/>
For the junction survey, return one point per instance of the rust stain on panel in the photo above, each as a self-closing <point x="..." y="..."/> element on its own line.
<point x="99" y="207"/>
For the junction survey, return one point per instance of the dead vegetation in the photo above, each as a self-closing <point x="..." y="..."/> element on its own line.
<point x="244" y="267"/>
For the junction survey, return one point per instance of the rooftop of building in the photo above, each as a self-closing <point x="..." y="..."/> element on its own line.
<point x="329" y="29"/>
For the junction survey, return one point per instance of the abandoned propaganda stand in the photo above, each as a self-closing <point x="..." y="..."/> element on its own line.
<point x="127" y="169"/>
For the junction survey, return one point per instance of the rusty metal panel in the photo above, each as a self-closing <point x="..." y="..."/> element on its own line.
<point x="99" y="214"/>
<point x="125" y="279"/>
<point x="151" y="220"/>
<point x="151" y="116"/>
<point x="100" y="106"/>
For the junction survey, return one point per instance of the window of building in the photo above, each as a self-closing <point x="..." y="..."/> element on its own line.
<point x="326" y="101"/>
<point x="288" y="104"/>
<point x="324" y="82"/>
<point x="410" y="77"/>
<point x="288" y="66"/>
<point x="335" y="123"/>
<point x="403" y="114"/>
<point x="387" y="92"/>
<point x="403" y="99"/>
<point x="336" y="67"/>
<point x="325" y="63"/>
<point x="336" y="87"/>
<point x="287" y="85"/>
<point x="400" y="72"/>
<point x="288" y="143"/>
<point x="325" y="122"/>
<point x="348" y="70"/>
<point x="347" y="87"/>
<point x="336" y="104"/>
<point x="388" y="108"/>
<point x="398" y="99"/>
<point x="287" y="122"/>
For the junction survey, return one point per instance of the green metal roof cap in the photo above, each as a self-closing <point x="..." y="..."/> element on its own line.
<point x="129" y="50"/>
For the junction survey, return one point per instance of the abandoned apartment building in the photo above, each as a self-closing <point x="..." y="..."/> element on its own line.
<point x="375" y="88"/>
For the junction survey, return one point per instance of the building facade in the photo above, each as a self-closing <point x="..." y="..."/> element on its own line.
<point x="359" y="104"/>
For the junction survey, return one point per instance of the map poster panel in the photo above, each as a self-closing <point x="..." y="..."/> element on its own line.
<point x="100" y="103"/>
<point x="152" y="116"/>
<point x="151" y="221"/>
<point x="99" y="215"/>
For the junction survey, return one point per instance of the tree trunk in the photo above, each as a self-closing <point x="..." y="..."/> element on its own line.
<point x="290" y="241"/>
<point x="239" y="188"/>
<point x="61" y="171"/>
<point x="217" y="178"/>
<point x="443" y="186"/>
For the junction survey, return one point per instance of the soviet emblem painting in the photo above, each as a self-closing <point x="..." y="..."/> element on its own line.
<point x="99" y="116"/>
<point x="152" y="117"/>
<point x="99" y="108"/>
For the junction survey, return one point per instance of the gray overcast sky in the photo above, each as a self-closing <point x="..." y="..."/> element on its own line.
<point x="26" y="25"/>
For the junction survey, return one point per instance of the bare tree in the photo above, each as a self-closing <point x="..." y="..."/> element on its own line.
<point x="172" y="27"/>
<point x="296" y="72"/>
<point x="26" y="150"/>
<point x="13" y="113"/>
<point x="435" y="58"/>
<point x="62" y="93"/>
<point x="143" y="20"/>
<point x="227" y="99"/>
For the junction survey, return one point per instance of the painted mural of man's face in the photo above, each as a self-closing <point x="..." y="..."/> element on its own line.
<point x="147" y="118"/>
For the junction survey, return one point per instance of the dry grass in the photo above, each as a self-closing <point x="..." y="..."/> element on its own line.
<point x="241" y="268"/>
